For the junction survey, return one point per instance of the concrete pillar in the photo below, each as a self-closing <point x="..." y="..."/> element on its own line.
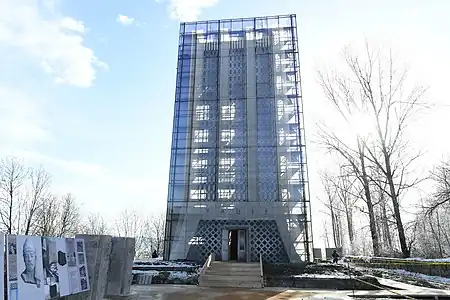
<point x="119" y="278"/>
<point x="98" y="249"/>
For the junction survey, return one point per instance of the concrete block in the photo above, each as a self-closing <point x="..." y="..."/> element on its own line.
<point x="120" y="267"/>
<point x="98" y="249"/>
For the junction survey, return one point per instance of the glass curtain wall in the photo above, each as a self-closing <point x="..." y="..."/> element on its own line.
<point x="238" y="134"/>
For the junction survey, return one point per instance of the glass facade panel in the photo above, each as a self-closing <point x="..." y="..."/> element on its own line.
<point x="238" y="138"/>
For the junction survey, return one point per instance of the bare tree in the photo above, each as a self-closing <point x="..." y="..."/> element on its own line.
<point x="333" y="207"/>
<point x="94" y="224"/>
<point x="355" y="160"/>
<point x="344" y="186"/>
<point x="69" y="216"/>
<point x="325" y="234"/>
<point x="47" y="217"/>
<point x="130" y="223"/>
<point x="59" y="217"/>
<point x="441" y="177"/>
<point x="157" y="225"/>
<point x="38" y="190"/>
<point x="375" y="90"/>
<point x="12" y="177"/>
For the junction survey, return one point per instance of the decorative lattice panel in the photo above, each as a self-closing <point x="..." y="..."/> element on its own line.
<point x="237" y="123"/>
<point x="264" y="238"/>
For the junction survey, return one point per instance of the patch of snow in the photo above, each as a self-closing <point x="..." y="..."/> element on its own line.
<point x="335" y="275"/>
<point x="447" y="259"/>
<point x="439" y="279"/>
<point x="164" y="264"/>
<point x="150" y="272"/>
<point x="369" y="258"/>
<point x="180" y="275"/>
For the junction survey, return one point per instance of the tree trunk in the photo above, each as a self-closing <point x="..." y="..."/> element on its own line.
<point x="368" y="196"/>
<point x="436" y="237"/>
<point x="351" y="234"/>
<point x="398" y="218"/>
<point x="386" y="231"/>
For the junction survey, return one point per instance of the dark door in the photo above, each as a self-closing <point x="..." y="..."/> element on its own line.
<point x="233" y="245"/>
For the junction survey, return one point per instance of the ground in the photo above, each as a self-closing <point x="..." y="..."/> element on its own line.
<point x="185" y="292"/>
<point x="172" y="292"/>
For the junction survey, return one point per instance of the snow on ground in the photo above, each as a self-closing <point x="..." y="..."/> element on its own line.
<point x="335" y="275"/>
<point x="147" y="272"/>
<point x="447" y="259"/>
<point x="369" y="258"/>
<point x="163" y="264"/>
<point x="180" y="275"/>
<point x="439" y="279"/>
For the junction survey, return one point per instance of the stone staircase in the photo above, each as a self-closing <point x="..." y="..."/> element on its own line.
<point x="231" y="274"/>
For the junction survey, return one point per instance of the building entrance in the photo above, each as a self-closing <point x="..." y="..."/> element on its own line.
<point x="237" y="245"/>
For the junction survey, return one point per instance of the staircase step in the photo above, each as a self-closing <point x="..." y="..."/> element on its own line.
<point x="235" y="264"/>
<point x="231" y="283"/>
<point x="232" y="274"/>
<point x="236" y="277"/>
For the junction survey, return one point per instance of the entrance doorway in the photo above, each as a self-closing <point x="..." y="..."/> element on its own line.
<point x="237" y="245"/>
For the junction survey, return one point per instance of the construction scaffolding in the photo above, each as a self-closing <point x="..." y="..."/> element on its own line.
<point x="238" y="159"/>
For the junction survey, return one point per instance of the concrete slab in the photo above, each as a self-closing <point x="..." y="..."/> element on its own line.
<point x="174" y="292"/>
<point x="177" y="292"/>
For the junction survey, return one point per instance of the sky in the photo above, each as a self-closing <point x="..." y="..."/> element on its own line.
<point x="87" y="87"/>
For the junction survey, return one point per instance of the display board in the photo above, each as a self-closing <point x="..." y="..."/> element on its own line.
<point x="81" y="263"/>
<point x="63" y="268"/>
<point x="39" y="268"/>
<point x="11" y="267"/>
<point x="72" y="269"/>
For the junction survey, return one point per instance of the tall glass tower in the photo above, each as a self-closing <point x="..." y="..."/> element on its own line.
<point x="238" y="182"/>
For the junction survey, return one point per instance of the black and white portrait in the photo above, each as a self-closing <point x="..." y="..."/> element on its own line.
<point x="12" y="248"/>
<point x="80" y="247"/>
<point x="81" y="259"/>
<point x="84" y="284"/>
<point x="50" y="266"/>
<point x="83" y="271"/>
<point x="30" y="275"/>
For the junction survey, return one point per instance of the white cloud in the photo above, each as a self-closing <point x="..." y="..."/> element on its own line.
<point x="54" y="41"/>
<point x="92" y="171"/>
<point x="98" y="187"/>
<point x="71" y="24"/>
<point x="21" y="121"/>
<point x="124" y="20"/>
<point x="189" y="10"/>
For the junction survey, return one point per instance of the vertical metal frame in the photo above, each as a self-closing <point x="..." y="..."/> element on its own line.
<point x="261" y="24"/>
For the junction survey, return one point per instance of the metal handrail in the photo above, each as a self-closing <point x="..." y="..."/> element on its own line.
<point x="207" y="263"/>
<point x="261" y="270"/>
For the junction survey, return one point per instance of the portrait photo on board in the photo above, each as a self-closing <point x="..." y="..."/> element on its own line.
<point x="50" y="266"/>
<point x="72" y="268"/>
<point x="80" y="247"/>
<point x="84" y="284"/>
<point x="70" y="254"/>
<point x="12" y="257"/>
<point x="30" y="267"/>
<point x="80" y="258"/>
<point x="83" y="271"/>
<point x="12" y="248"/>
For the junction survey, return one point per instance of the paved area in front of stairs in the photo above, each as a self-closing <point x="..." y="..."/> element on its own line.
<point x="187" y="292"/>
<point x="178" y="292"/>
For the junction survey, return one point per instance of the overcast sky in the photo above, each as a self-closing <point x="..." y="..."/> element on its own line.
<point x="86" y="87"/>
